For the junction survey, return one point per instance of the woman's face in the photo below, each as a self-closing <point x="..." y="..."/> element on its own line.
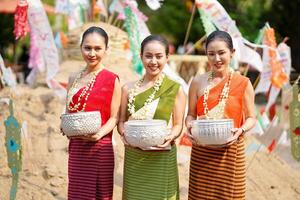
<point x="154" y="58"/>
<point x="93" y="49"/>
<point x="219" y="55"/>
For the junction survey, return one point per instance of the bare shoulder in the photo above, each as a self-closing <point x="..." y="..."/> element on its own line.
<point x="128" y="86"/>
<point x="199" y="79"/>
<point x="73" y="76"/>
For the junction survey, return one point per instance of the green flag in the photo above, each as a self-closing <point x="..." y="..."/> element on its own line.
<point x="131" y="26"/>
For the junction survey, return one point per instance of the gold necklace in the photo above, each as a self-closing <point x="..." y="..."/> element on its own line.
<point x="85" y="93"/>
<point x="222" y="99"/>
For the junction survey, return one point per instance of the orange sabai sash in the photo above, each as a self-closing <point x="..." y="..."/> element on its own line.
<point x="234" y="103"/>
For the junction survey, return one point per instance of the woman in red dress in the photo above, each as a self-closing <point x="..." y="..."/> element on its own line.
<point x="91" y="157"/>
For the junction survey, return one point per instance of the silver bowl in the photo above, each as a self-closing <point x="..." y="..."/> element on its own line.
<point x="214" y="132"/>
<point x="81" y="123"/>
<point x="145" y="133"/>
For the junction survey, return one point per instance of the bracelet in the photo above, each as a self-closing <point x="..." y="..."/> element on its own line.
<point x="243" y="130"/>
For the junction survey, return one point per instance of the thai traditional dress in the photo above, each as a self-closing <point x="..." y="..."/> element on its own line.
<point x="219" y="173"/>
<point x="91" y="164"/>
<point x="153" y="175"/>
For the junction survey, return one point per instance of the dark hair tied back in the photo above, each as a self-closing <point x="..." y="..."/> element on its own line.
<point x="157" y="38"/>
<point x="95" y="29"/>
<point x="220" y="35"/>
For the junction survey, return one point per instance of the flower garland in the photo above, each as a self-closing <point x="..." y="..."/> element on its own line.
<point x="134" y="91"/>
<point x="222" y="99"/>
<point x="85" y="92"/>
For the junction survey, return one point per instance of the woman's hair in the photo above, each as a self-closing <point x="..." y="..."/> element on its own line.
<point x="157" y="38"/>
<point x="95" y="29"/>
<point x="221" y="36"/>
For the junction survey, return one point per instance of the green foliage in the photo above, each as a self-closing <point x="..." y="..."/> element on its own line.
<point x="284" y="17"/>
<point x="6" y="35"/>
<point x="171" y="20"/>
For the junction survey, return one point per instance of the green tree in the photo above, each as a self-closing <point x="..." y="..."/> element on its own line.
<point x="6" y="34"/>
<point x="171" y="20"/>
<point x="284" y="17"/>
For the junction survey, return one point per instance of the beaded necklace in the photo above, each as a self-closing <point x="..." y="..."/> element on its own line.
<point x="219" y="109"/>
<point x="134" y="91"/>
<point x="85" y="93"/>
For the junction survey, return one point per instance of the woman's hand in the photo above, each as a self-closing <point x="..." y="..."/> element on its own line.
<point x="201" y="117"/>
<point x="61" y="131"/>
<point x="90" y="137"/>
<point x="168" y="140"/>
<point x="189" y="130"/>
<point x="189" y="134"/>
<point x="236" y="134"/>
<point x="124" y="139"/>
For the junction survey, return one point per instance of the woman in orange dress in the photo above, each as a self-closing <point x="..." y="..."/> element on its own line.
<point x="218" y="172"/>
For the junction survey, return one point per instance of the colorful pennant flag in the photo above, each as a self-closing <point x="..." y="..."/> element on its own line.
<point x="8" y="77"/>
<point x="294" y="110"/>
<point x="131" y="24"/>
<point x="62" y="7"/>
<point x="279" y="78"/>
<point x="43" y="52"/>
<point x="20" y="20"/>
<point x="220" y="18"/>
<point x="14" y="149"/>
<point x="209" y="27"/>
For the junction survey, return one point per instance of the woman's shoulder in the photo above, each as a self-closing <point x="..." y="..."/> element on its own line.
<point x="239" y="76"/>
<point x="240" y="79"/>
<point x="73" y="75"/>
<point x="110" y="73"/>
<point x="129" y="85"/>
<point x="171" y="80"/>
<point x="239" y="82"/>
<point x="200" y="79"/>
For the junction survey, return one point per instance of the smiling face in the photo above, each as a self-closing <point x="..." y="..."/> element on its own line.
<point x="154" y="57"/>
<point x="93" y="49"/>
<point x="219" y="55"/>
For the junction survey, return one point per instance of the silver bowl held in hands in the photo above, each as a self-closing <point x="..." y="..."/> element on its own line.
<point x="145" y="133"/>
<point x="81" y="123"/>
<point x="214" y="132"/>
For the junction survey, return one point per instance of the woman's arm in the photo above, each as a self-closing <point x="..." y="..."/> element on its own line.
<point x="192" y="103"/>
<point x="114" y="114"/>
<point x="123" y="110"/>
<point x="248" y="109"/>
<point x="70" y="83"/>
<point x="178" y="117"/>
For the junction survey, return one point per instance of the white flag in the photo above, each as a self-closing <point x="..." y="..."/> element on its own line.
<point x="223" y="22"/>
<point x="40" y="28"/>
<point x="154" y="4"/>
